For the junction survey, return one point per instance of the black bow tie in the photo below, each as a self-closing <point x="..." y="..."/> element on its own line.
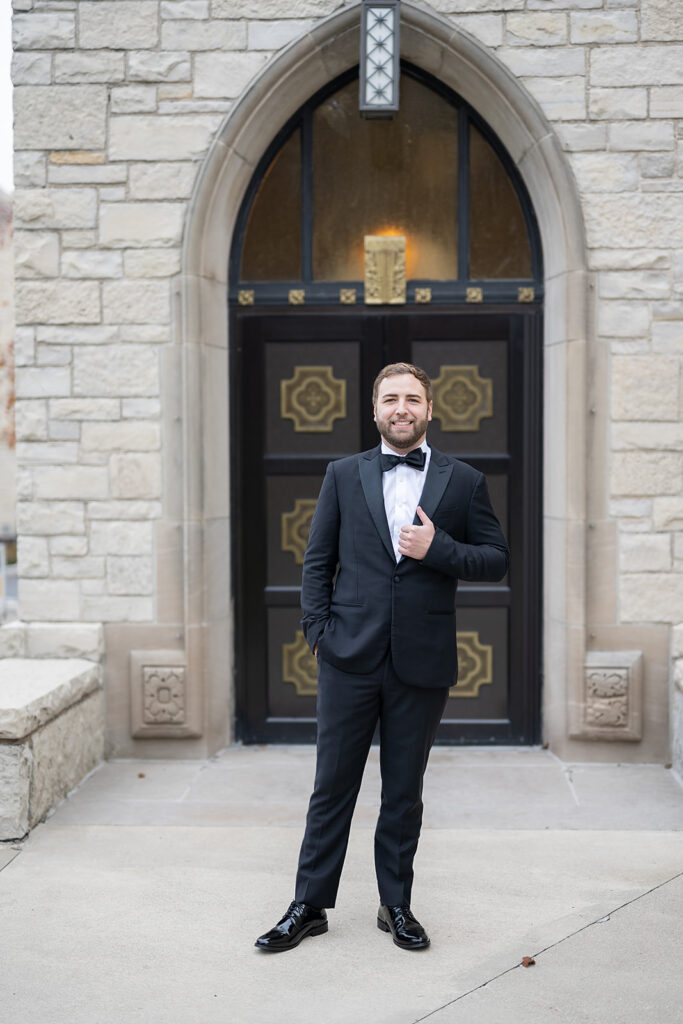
<point x="416" y="459"/>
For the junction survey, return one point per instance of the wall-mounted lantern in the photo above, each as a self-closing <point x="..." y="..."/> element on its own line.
<point x="379" y="58"/>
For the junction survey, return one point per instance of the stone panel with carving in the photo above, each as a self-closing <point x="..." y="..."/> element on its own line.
<point x="612" y="697"/>
<point x="462" y="398"/>
<point x="313" y="399"/>
<point x="162" y="703"/>
<point x="163" y="694"/>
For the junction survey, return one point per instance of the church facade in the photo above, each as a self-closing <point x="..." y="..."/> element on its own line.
<point x="203" y="227"/>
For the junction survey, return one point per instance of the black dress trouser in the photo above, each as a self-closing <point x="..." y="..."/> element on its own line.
<point x="349" y="707"/>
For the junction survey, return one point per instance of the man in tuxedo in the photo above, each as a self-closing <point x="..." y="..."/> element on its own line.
<point x="394" y="530"/>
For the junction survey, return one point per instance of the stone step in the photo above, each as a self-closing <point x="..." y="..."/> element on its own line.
<point x="51" y="735"/>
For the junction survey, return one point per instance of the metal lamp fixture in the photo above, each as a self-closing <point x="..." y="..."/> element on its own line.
<point x="379" y="58"/>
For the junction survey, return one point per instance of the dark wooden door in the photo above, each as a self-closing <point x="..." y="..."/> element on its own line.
<point x="302" y="384"/>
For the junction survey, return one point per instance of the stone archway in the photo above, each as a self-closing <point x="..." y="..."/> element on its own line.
<point x="202" y="335"/>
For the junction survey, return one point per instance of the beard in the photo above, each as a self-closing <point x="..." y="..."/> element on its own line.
<point x="402" y="439"/>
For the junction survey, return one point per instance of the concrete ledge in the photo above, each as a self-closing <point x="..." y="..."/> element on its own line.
<point x="51" y="735"/>
<point x="52" y="640"/>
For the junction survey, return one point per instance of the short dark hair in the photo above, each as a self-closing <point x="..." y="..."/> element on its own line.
<point x="397" y="369"/>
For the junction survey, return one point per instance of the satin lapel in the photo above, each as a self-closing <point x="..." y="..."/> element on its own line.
<point x="438" y="475"/>
<point x="371" y="480"/>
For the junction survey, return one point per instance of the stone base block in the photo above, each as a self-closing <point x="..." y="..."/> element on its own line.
<point x="52" y="733"/>
<point x="610" y="707"/>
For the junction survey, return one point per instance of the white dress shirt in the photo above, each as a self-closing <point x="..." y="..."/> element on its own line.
<point x="402" y="487"/>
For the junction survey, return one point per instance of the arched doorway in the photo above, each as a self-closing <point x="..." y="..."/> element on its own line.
<point x="305" y="348"/>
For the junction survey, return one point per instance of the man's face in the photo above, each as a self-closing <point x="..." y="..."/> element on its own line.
<point x="402" y="411"/>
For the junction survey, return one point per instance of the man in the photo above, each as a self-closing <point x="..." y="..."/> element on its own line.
<point x="394" y="530"/>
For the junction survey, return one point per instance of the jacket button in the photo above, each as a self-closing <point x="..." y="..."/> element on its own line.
<point x="397" y="579"/>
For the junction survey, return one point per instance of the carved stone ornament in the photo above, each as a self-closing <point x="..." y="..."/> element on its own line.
<point x="423" y="295"/>
<point x="347" y="296"/>
<point x="299" y="666"/>
<point x="313" y="399"/>
<point x="475" y="665"/>
<point x="461" y="398"/>
<point x="295" y="527"/>
<point x="611" y="708"/>
<point x="474" y="295"/>
<point x="245" y="297"/>
<point x="385" y="270"/>
<point x="161" y="701"/>
<point x="163" y="694"/>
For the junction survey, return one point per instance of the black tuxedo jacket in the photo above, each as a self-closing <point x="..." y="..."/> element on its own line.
<point x="358" y="602"/>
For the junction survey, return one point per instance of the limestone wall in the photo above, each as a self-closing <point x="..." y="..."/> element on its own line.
<point x="7" y="457"/>
<point x="117" y="104"/>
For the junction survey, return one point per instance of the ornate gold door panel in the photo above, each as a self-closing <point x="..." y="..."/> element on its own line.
<point x="302" y="387"/>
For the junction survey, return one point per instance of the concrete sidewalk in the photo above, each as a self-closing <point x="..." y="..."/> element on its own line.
<point x="139" y="900"/>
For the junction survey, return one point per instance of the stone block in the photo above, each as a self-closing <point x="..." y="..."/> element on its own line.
<point x="666" y="101"/>
<point x="640" y="135"/>
<point x="136" y="302"/>
<point x="184" y="9"/>
<point x="12" y="639"/>
<point x="651" y="597"/>
<point x="32" y="556"/>
<point x="146" y="137"/>
<point x="24" y="346"/>
<point x="606" y="172"/>
<point x="623" y="319"/>
<point x="79" y="239"/>
<point x="561" y="99"/>
<point x="135" y="476"/>
<point x="635" y="220"/>
<point x="44" y="30"/>
<point x="643" y="473"/>
<point x="141" y="408"/>
<point x="63" y="431"/>
<point x="16" y="764"/>
<point x="91" y="263"/>
<point x="161" y="701"/>
<point x="667" y="513"/>
<point x="42" y="383"/>
<point x="65" y="751"/>
<point x="316" y="8"/>
<point x="133" y="99"/>
<point x="487" y="28"/>
<point x="637" y="65"/>
<point x="76" y="335"/>
<point x="89" y="66"/>
<point x="118" y="609"/>
<point x="36" y="253"/>
<point x="660" y="20"/>
<point x="49" y="599"/>
<point x="203" y="35"/>
<point x="635" y="284"/>
<point x="116" y="370"/>
<point x="121" y="538"/>
<point x="149" y="66"/>
<point x="225" y="74"/>
<point x="162" y="181"/>
<point x="56" y="207"/>
<point x="578" y="138"/>
<point x="603" y="27"/>
<point x="645" y="552"/>
<point x="60" y="116"/>
<point x="57" y="302"/>
<point x="84" y="174"/>
<point x="77" y="568"/>
<point x="617" y="104"/>
<point x="85" y="408"/>
<point x="109" y="24"/>
<point x="548" y="5"/>
<point x="30" y="420"/>
<point x="32" y="68"/>
<point x="152" y="262"/>
<point x="657" y="165"/>
<point x="558" y="61"/>
<point x="141" y="224"/>
<point x="124" y="510"/>
<point x="547" y="28"/>
<point x="272" y="35"/>
<point x="72" y="482"/>
<point x="29" y="169"/>
<point x="129" y="435"/>
<point x="129" y="575"/>
<point x="49" y="452"/>
<point x="639" y="435"/>
<point x="68" y="546"/>
<point x="667" y="336"/>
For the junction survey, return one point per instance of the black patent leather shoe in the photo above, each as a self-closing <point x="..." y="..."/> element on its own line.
<point x="406" y="930"/>
<point x="299" y="922"/>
